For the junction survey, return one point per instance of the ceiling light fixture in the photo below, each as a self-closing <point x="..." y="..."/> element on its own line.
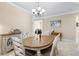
<point x="38" y="11"/>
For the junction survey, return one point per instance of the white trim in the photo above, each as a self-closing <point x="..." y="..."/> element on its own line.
<point x="65" y="13"/>
<point x="39" y="0"/>
<point x="17" y="6"/>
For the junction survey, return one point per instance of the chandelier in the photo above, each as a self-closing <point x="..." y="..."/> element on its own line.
<point x="38" y="11"/>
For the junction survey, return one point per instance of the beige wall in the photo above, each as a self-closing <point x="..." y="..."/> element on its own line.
<point x="67" y="25"/>
<point x="12" y="17"/>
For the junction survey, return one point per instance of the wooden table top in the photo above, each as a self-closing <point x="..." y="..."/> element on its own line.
<point x="45" y="40"/>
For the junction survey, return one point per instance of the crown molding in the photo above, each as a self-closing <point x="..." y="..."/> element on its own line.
<point x="17" y="6"/>
<point x="61" y="14"/>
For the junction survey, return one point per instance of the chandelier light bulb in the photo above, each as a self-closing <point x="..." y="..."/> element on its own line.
<point x="33" y="10"/>
<point x="39" y="8"/>
<point x="43" y="10"/>
<point x="41" y="13"/>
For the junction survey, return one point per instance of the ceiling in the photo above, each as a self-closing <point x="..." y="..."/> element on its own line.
<point x="52" y="8"/>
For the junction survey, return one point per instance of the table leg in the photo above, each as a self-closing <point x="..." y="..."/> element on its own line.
<point x="38" y="53"/>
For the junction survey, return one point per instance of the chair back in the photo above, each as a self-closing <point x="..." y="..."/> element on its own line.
<point x="18" y="46"/>
<point x="54" y="44"/>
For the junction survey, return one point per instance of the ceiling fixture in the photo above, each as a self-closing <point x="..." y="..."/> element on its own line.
<point x="38" y="11"/>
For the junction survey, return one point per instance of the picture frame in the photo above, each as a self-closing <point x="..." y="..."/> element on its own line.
<point x="55" y="23"/>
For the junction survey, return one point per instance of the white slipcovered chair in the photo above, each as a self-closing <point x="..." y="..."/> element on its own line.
<point x="18" y="47"/>
<point x="54" y="50"/>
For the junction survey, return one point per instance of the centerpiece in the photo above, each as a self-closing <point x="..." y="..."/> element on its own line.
<point x="38" y="32"/>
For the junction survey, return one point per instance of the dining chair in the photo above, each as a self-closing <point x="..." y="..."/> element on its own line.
<point x="24" y="35"/>
<point x="18" y="46"/>
<point x="51" y="50"/>
<point x="54" y="50"/>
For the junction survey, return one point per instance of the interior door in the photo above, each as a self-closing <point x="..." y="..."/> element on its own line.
<point x="38" y="24"/>
<point x="77" y="31"/>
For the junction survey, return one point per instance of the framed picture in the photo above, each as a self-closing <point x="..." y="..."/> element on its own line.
<point x="55" y="23"/>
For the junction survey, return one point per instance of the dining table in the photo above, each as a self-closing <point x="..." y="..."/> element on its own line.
<point x="37" y="45"/>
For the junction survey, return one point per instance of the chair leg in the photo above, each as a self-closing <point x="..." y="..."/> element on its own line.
<point x="55" y="51"/>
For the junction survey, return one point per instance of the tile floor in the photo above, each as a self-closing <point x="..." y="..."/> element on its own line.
<point x="67" y="48"/>
<point x="10" y="54"/>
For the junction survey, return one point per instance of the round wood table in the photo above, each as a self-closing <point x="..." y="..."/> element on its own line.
<point x="34" y="44"/>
